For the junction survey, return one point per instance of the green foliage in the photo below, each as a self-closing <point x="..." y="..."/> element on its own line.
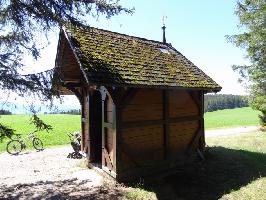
<point x="231" y="118"/>
<point x="224" y="101"/>
<point x="5" y="132"/>
<point x="40" y="124"/>
<point x="21" y="25"/>
<point x="252" y="18"/>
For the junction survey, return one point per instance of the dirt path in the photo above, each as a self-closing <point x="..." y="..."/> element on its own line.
<point x="49" y="174"/>
<point x="231" y="131"/>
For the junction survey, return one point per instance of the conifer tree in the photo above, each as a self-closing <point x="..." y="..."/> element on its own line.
<point x="252" y="17"/>
<point x="21" y="20"/>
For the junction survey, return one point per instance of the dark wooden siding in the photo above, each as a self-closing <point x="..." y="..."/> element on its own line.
<point x="181" y="134"/>
<point x="181" y="104"/>
<point x="156" y="126"/>
<point x="145" y="105"/>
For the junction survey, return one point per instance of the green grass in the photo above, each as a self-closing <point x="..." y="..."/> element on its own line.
<point x="231" y="118"/>
<point x="248" y="163"/>
<point x="61" y="125"/>
<point x="139" y="194"/>
<point x="235" y="168"/>
<point x="69" y="123"/>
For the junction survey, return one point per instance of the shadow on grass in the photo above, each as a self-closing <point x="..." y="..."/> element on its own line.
<point x="223" y="171"/>
<point x="57" y="190"/>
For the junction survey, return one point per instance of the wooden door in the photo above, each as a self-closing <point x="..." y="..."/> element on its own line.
<point x="108" y="133"/>
<point x="85" y="123"/>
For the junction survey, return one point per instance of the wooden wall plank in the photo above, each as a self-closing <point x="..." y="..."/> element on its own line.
<point x="146" y="104"/>
<point x="181" y="134"/>
<point x="141" y="145"/>
<point x="181" y="104"/>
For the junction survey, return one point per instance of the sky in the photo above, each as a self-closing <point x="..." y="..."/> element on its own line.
<point x="197" y="29"/>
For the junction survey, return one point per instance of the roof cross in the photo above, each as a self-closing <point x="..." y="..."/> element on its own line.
<point x="164" y="19"/>
<point x="163" y="27"/>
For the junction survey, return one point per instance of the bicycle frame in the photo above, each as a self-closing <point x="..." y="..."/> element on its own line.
<point x="17" y="144"/>
<point x="29" y="137"/>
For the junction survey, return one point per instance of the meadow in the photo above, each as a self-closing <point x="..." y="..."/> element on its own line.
<point x="63" y="123"/>
<point x="231" y="118"/>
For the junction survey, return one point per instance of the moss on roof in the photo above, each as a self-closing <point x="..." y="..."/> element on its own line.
<point x="110" y="58"/>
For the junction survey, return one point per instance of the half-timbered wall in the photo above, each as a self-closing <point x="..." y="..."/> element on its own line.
<point x="181" y="133"/>
<point x="156" y="126"/>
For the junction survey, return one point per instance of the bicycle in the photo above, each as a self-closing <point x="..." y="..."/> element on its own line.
<point x="16" y="145"/>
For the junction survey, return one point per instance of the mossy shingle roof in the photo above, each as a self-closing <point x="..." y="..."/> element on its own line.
<point x="114" y="59"/>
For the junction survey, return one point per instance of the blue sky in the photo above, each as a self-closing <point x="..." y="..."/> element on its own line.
<point x="195" y="28"/>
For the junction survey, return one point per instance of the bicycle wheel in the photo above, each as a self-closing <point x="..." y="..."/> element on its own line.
<point x="14" y="147"/>
<point x="37" y="144"/>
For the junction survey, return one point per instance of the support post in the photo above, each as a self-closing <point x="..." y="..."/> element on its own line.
<point x="166" y="124"/>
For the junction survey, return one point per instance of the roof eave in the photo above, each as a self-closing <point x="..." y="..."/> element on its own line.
<point x="206" y="89"/>
<point x="76" y="56"/>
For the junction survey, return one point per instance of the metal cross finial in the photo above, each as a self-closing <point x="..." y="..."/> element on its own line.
<point x="164" y="19"/>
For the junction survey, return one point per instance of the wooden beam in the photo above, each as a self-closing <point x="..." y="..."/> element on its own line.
<point x="119" y="140"/>
<point x="196" y="98"/>
<point x="129" y="156"/>
<point x="108" y="159"/>
<point x="106" y="96"/>
<point x="202" y="121"/>
<point x="115" y="94"/>
<point x="166" y="124"/>
<point x="114" y="138"/>
<point x="103" y="97"/>
<point x="198" y="138"/>
<point x="160" y="122"/>
<point x="72" y="84"/>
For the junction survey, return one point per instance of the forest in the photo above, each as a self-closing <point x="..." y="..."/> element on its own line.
<point x="224" y="101"/>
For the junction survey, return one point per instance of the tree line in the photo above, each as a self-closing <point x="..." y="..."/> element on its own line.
<point x="224" y="101"/>
<point x="5" y="112"/>
<point x="69" y="112"/>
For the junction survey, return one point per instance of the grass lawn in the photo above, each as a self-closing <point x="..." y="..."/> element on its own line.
<point x="61" y="125"/>
<point x="235" y="169"/>
<point x="231" y="118"/>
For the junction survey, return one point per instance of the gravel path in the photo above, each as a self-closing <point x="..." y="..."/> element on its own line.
<point x="231" y="131"/>
<point x="49" y="174"/>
